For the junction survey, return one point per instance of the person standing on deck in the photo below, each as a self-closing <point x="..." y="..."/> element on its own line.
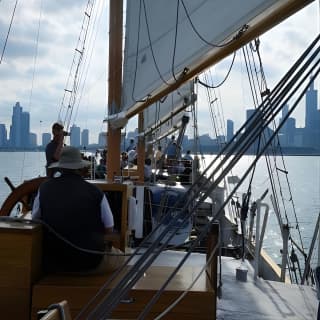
<point x="131" y="146"/>
<point x="171" y="155"/>
<point x="77" y="211"/>
<point x="54" y="147"/>
<point x="171" y="151"/>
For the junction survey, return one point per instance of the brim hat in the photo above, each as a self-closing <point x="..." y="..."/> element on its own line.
<point x="70" y="159"/>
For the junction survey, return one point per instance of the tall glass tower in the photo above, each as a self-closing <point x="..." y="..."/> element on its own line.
<point x="20" y="128"/>
<point x="312" y="119"/>
<point x="75" y="136"/>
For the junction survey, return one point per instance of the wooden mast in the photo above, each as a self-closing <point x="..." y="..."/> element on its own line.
<point x="114" y="86"/>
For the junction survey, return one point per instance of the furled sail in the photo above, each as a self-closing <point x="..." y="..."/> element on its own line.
<point x="169" y="42"/>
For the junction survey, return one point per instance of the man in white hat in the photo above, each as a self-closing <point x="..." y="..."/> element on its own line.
<point x="76" y="215"/>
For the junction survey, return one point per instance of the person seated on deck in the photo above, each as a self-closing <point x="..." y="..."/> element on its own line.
<point x="171" y="155"/>
<point x="185" y="177"/>
<point x="101" y="170"/>
<point x="158" y="158"/>
<point x="132" y="157"/>
<point x="123" y="160"/>
<point x="187" y="156"/>
<point x="147" y="170"/>
<point x="77" y="216"/>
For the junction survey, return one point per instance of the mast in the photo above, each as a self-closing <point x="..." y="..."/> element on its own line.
<point x="140" y="150"/>
<point x="114" y="86"/>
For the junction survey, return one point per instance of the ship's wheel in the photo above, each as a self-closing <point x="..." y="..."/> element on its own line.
<point x="23" y="194"/>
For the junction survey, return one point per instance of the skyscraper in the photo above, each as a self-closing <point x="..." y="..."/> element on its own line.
<point x="15" y="128"/>
<point x="311" y="107"/>
<point x="46" y="137"/>
<point x="32" y="140"/>
<point x="25" y="129"/>
<point x="230" y="129"/>
<point x="20" y="128"/>
<point x="312" y="119"/>
<point x="102" y="140"/>
<point x="75" y="136"/>
<point x="3" y="135"/>
<point x="85" y="138"/>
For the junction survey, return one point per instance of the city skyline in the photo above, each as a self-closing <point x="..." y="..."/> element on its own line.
<point x="20" y="136"/>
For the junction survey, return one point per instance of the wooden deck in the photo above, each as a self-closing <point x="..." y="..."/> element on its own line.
<point x="260" y="299"/>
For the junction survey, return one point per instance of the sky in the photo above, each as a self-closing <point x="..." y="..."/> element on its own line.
<point x="37" y="61"/>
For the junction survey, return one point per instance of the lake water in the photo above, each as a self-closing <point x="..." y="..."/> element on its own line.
<point x="303" y="175"/>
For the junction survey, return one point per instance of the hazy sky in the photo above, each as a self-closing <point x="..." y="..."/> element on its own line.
<point x="38" y="80"/>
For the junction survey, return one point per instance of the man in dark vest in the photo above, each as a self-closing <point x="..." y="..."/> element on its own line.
<point x="77" y="215"/>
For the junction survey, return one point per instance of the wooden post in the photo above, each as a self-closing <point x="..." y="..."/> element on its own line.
<point x="141" y="150"/>
<point x="114" y="86"/>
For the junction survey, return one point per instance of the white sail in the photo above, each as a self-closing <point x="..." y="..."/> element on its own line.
<point x="163" y="41"/>
<point x="166" y="128"/>
<point x="168" y="112"/>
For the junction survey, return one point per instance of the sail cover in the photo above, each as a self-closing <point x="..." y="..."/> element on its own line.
<point x="166" y="38"/>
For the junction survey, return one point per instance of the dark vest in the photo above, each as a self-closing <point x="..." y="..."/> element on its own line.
<point x="71" y="206"/>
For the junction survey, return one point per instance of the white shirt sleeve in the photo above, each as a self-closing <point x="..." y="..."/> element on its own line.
<point x="36" y="212"/>
<point x="106" y="214"/>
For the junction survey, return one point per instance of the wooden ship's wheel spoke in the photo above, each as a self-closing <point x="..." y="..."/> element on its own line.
<point x="24" y="194"/>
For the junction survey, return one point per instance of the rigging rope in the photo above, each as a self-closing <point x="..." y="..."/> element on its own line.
<point x="10" y="25"/>
<point x="84" y="72"/>
<point x="237" y="36"/>
<point x="218" y="126"/>
<point x="177" y="300"/>
<point x="284" y="91"/>
<point x="137" y="55"/>
<point x="76" y="62"/>
<point x="150" y="43"/>
<point x="226" y="77"/>
<point x="276" y="144"/>
<point x="175" y="41"/>
<point x="33" y="76"/>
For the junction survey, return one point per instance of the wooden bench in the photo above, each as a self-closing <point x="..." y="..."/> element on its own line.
<point x="199" y="302"/>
